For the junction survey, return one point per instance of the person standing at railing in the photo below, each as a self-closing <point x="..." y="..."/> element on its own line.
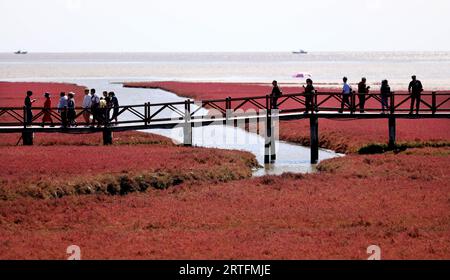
<point x="47" y="118"/>
<point x="28" y="108"/>
<point x="346" y="94"/>
<point x="95" y="103"/>
<point x="385" y="92"/>
<point x="309" y="94"/>
<point x="415" y="88"/>
<point x="109" y="106"/>
<point x="276" y="93"/>
<point x="87" y="102"/>
<point x="363" y="90"/>
<point x="71" y="113"/>
<point x="102" y="109"/>
<point x="62" y="108"/>
<point x="115" y="106"/>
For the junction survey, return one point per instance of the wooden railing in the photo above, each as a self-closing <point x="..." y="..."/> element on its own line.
<point x="286" y="107"/>
<point x="322" y="102"/>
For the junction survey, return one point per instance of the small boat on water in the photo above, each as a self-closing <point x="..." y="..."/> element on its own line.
<point x="300" y="52"/>
<point x="20" y="52"/>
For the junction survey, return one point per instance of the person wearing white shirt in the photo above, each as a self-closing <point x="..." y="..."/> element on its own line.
<point x="346" y="93"/>
<point x="87" y="104"/>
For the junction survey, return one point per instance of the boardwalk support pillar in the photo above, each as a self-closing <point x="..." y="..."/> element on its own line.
<point x="273" y="152"/>
<point x="187" y="128"/>
<point x="27" y="138"/>
<point x="268" y="137"/>
<point x="314" y="138"/>
<point x="392" y="132"/>
<point x="107" y="136"/>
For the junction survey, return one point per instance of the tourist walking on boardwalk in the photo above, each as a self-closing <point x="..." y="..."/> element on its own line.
<point x="71" y="113"/>
<point x="115" y="106"/>
<point x="62" y="108"/>
<point x="95" y="104"/>
<point x="415" y="88"/>
<point x="346" y="94"/>
<point x="28" y="105"/>
<point x="309" y="93"/>
<point x="87" y="102"/>
<point x="363" y="90"/>
<point x="47" y="118"/>
<point x="109" y="106"/>
<point x="103" y="109"/>
<point x="385" y="91"/>
<point x="276" y="93"/>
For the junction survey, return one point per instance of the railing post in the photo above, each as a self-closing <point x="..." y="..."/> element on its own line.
<point x="107" y="116"/>
<point x="228" y="110"/>
<point x="315" y="101"/>
<point x="392" y="103"/>
<point x="433" y="103"/>
<point x="353" y="103"/>
<point x="65" y="119"/>
<point x="25" y="117"/>
<point x="27" y="136"/>
<point x="187" y="129"/>
<point x="147" y="113"/>
<point x="314" y="138"/>
<point x="268" y="136"/>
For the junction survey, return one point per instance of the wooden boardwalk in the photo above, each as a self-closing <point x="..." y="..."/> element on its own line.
<point x="232" y="111"/>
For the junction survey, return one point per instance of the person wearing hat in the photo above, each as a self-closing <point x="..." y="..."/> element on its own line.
<point x="47" y="118"/>
<point x="71" y="114"/>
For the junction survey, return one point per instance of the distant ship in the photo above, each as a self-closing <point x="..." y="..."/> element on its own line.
<point x="300" y="52"/>
<point x="20" y="52"/>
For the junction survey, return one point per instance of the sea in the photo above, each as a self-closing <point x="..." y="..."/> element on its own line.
<point x="326" y="68"/>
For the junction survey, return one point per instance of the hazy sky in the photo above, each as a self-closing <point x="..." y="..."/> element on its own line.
<point x="224" y="25"/>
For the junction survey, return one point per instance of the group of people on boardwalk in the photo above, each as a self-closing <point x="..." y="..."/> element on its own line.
<point x="99" y="108"/>
<point x="415" y="89"/>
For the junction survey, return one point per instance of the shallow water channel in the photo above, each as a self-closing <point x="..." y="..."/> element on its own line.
<point x="290" y="157"/>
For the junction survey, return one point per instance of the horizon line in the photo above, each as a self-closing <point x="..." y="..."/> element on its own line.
<point x="224" y="51"/>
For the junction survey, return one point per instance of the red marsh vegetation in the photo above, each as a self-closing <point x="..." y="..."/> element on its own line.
<point x="398" y="202"/>
<point x="144" y="198"/>
<point x="12" y="94"/>
<point x="135" y="163"/>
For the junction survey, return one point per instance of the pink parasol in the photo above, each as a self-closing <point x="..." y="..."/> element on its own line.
<point x="302" y="75"/>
